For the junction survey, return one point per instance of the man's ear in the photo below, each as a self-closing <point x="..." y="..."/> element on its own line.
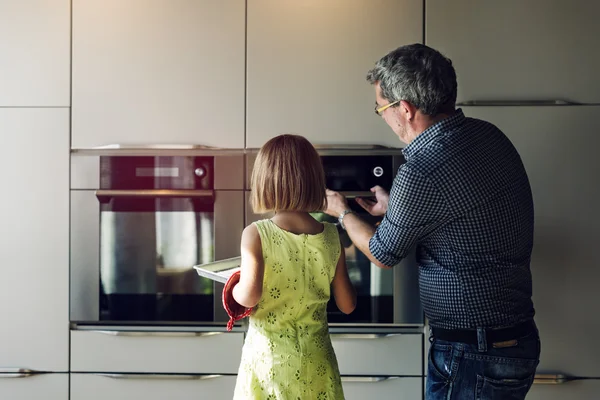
<point x="407" y="109"/>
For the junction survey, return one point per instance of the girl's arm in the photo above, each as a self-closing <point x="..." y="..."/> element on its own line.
<point x="343" y="290"/>
<point x="249" y="289"/>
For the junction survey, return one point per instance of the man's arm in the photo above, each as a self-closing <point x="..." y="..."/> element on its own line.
<point x="360" y="233"/>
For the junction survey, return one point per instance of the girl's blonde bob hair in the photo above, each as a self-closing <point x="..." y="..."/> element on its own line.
<point x="287" y="176"/>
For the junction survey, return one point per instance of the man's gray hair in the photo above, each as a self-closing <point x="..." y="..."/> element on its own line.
<point x="419" y="75"/>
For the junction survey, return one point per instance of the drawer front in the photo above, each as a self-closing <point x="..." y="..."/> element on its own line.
<point x="151" y="387"/>
<point x="154" y="352"/>
<point x="36" y="387"/>
<point x="374" y="354"/>
<point x="359" y="388"/>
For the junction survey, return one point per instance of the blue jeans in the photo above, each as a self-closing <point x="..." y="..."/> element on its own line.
<point x="485" y="372"/>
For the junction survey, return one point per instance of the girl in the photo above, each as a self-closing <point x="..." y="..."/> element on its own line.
<point x="289" y="264"/>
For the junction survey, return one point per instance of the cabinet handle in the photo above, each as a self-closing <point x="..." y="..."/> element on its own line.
<point x="159" y="376"/>
<point x="488" y="103"/>
<point x="552" y="379"/>
<point x="18" y="372"/>
<point x="158" y="334"/>
<point x="362" y="335"/>
<point x="363" y="379"/>
<point x="154" y="193"/>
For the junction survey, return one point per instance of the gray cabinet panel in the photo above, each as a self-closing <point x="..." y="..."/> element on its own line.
<point x="307" y="62"/>
<point x="559" y="147"/>
<point x="519" y="49"/>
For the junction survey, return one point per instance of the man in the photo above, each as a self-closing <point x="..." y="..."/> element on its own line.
<point x="463" y="198"/>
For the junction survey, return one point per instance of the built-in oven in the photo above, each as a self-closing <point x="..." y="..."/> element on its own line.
<point x="385" y="296"/>
<point x="139" y="223"/>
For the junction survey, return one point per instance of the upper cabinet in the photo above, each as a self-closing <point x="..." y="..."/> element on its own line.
<point x="307" y="62"/>
<point x="158" y="72"/>
<point x="519" y="50"/>
<point x="34" y="53"/>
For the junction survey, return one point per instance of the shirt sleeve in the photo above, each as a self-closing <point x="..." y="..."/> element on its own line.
<point x="416" y="208"/>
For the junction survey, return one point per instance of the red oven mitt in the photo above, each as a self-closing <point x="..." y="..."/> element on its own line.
<point x="235" y="310"/>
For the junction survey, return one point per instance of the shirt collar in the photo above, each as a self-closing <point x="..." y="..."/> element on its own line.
<point x="429" y="134"/>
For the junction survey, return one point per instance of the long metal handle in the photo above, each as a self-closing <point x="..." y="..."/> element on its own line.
<point x="516" y="103"/>
<point x="551" y="379"/>
<point x="17" y="372"/>
<point x="157" y="334"/>
<point x="357" y="194"/>
<point x="154" y="193"/>
<point x="159" y="376"/>
<point x="362" y="335"/>
<point x="364" y="379"/>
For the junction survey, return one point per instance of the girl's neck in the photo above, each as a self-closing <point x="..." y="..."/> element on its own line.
<point x="297" y="222"/>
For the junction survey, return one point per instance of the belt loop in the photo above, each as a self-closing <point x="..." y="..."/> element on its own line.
<point x="482" y="345"/>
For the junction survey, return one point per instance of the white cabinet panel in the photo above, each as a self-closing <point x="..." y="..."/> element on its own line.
<point x="307" y="63"/>
<point x="559" y="148"/>
<point x="159" y="72"/>
<point x="576" y="390"/>
<point x="186" y="352"/>
<point x="374" y="355"/>
<point x="34" y="276"/>
<point x="519" y="50"/>
<point x="383" y="388"/>
<point x="36" y="387"/>
<point x="151" y="387"/>
<point x="35" y="53"/>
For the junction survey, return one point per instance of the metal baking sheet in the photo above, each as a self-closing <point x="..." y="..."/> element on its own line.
<point x="219" y="271"/>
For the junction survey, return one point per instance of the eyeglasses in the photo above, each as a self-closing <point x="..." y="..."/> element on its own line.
<point x="379" y="110"/>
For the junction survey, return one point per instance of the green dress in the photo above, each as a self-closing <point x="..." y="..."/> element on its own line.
<point x="287" y="353"/>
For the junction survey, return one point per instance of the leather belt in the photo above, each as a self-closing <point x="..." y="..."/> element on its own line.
<point x="469" y="336"/>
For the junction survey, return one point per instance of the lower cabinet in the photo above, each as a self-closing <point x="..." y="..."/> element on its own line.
<point x="400" y="388"/>
<point x="35" y="387"/>
<point x="102" y="386"/>
<point x="575" y="390"/>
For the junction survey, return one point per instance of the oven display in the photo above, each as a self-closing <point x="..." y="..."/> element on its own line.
<point x="157" y="172"/>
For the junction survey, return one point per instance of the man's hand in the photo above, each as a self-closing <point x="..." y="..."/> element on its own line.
<point x="377" y="208"/>
<point x="336" y="203"/>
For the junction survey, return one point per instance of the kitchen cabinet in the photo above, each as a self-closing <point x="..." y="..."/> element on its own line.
<point x="35" y="387"/>
<point x="156" y="352"/>
<point x="307" y="62"/>
<point x="165" y="72"/>
<point x="35" y="53"/>
<point x="34" y="278"/>
<point x="576" y="390"/>
<point x="360" y="388"/>
<point x="103" y="386"/>
<point x="374" y="354"/>
<point x="558" y="146"/>
<point x="519" y="50"/>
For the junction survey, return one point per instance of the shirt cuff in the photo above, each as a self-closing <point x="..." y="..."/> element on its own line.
<point x="378" y="250"/>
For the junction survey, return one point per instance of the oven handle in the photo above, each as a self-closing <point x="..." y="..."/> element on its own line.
<point x="157" y="334"/>
<point x="159" y="376"/>
<point x="353" y="194"/>
<point x="154" y="193"/>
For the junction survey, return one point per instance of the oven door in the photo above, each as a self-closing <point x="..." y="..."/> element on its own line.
<point x="384" y="296"/>
<point x="133" y="252"/>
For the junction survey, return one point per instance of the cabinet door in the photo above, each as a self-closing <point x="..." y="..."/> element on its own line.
<point x="519" y="50"/>
<point x="34" y="278"/>
<point x="34" y="53"/>
<point x="307" y="62"/>
<point x="158" y="72"/>
<point x="35" y="387"/>
<point x="576" y="390"/>
<point x="558" y="146"/>
<point x="151" y="387"/>
<point x="361" y="388"/>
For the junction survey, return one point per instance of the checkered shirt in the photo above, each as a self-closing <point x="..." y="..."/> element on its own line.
<point x="463" y="200"/>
